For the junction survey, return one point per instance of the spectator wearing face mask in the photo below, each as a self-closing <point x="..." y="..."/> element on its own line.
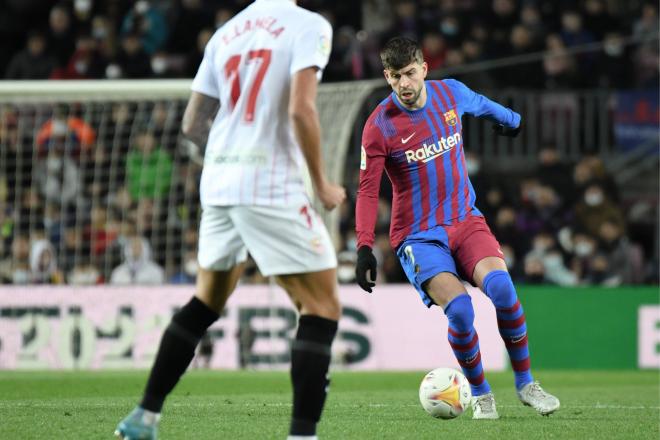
<point x="43" y="264"/>
<point x="596" y="208"/>
<point x="34" y="62"/>
<point x="138" y="267"/>
<point x="625" y="259"/>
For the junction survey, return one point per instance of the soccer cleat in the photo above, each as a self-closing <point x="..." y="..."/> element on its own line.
<point x="138" y="425"/>
<point x="483" y="407"/>
<point x="533" y="395"/>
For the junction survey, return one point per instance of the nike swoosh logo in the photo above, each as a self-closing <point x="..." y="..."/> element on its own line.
<point x="405" y="140"/>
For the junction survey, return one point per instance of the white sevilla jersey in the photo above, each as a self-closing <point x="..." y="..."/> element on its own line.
<point x="252" y="157"/>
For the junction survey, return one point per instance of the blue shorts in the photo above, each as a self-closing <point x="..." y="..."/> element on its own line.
<point x="455" y="248"/>
<point x="423" y="255"/>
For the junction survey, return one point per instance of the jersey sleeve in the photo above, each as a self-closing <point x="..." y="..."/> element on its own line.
<point x="312" y="46"/>
<point x="206" y="81"/>
<point x="372" y="161"/>
<point x="480" y="106"/>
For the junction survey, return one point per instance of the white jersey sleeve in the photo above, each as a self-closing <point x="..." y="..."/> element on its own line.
<point x="312" y="46"/>
<point x="206" y="79"/>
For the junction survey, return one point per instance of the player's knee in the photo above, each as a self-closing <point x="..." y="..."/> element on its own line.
<point x="327" y="307"/>
<point x="460" y="313"/>
<point x="498" y="286"/>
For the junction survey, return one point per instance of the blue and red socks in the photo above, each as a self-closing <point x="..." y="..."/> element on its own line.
<point x="465" y="342"/>
<point x="511" y="322"/>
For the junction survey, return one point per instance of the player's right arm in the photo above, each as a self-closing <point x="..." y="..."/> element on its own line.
<point x="204" y="101"/>
<point x="307" y="129"/>
<point x="198" y="117"/>
<point x="372" y="163"/>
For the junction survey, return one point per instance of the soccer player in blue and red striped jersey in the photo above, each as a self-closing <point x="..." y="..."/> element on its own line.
<point x="440" y="236"/>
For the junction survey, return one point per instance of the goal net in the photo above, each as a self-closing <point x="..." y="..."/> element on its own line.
<point x="94" y="174"/>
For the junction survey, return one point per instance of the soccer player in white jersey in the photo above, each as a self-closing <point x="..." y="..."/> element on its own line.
<point x="253" y="106"/>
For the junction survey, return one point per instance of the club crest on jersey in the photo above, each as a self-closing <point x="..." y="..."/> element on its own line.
<point x="450" y="117"/>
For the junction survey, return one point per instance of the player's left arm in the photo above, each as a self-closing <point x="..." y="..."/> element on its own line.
<point x="507" y="122"/>
<point x="198" y="117"/>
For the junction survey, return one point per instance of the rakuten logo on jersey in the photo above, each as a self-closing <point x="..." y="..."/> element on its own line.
<point x="430" y="152"/>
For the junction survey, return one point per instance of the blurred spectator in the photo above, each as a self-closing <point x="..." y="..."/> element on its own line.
<point x="147" y="24"/>
<point x="551" y="171"/>
<point x="43" y="264"/>
<point x="346" y="57"/>
<point x="87" y="62"/>
<point x="190" y="17"/>
<point x="132" y="60"/>
<point x="595" y="209"/>
<point x="187" y="273"/>
<point x="591" y="169"/>
<point x="434" y="50"/>
<point x="138" y="267"/>
<point x="59" y="178"/>
<point x="625" y="260"/>
<point x="222" y="16"/>
<point x="528" y="75"/>
<point x="148" y="168"/>
<point x="195" y="56"/>
<point x="85" y="273"/>
<point x="346" y="267"/>
<point x="15" y="269"/>
<point x="61" y="34"/>
<point x="612" y="68"/>
<point x="597" y="18"/>
<point x="547" y="255"/>
<point x="559" y="66"/>
<point x="65" y="133"/>
<point x="33" y="62"/>
<point x="530" y="17"/>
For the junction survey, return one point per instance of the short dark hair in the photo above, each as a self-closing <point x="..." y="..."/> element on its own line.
<point x="398" y="52"/>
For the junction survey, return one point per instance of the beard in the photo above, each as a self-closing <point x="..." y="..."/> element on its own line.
<point x="411" y="99"/>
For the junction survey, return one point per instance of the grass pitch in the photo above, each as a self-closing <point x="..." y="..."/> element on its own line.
<point x="243" y="405"/>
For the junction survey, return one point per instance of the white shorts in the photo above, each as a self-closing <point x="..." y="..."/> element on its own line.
<point x="281" y="239"/>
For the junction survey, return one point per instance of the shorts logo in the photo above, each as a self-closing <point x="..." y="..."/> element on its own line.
<point x="450" y="117"/>
<point x="363" y="158"/>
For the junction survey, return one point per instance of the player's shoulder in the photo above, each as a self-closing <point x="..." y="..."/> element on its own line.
<point x="452" y="83"/>
<point x="307" y="19"/>
<point x="379" y="122"/>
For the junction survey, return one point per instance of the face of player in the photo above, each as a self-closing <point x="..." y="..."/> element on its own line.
<point x="408" y="84"/>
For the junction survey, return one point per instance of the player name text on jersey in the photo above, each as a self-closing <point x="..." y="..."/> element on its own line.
<point x="265" y="23"/>
<point x="429" y="152"/>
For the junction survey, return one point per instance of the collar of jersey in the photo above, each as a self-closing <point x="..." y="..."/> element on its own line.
<point x="402" y="107"/>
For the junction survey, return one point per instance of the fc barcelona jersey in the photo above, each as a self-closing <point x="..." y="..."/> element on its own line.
<point x="421" y="151"/>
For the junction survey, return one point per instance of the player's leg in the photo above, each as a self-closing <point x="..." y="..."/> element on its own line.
<point x="479" y="255"/>
<point x="429" y="266"/>
<point x="291" y="243"/>
<point x="221" y="254"/>
<point x="315" y="296"/>
<point x="492" y="277"/>
<point x="182" y="335"/>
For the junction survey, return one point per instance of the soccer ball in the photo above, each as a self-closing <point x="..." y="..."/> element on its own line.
<point x="445" y="393"/>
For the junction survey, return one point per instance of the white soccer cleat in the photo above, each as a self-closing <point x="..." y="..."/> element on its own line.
<point x="533" y="395"/>
<point x="483" y="407"/>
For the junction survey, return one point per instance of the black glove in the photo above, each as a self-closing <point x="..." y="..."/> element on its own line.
<point x="501" y="130"/>
<point x="365" y="269"/>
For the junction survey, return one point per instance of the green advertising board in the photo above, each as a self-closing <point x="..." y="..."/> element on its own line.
<point x="591" y="327"/>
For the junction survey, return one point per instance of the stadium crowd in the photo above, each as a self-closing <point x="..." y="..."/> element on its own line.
<point x="92" y="195"/>
<point x="79" y="39"/>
